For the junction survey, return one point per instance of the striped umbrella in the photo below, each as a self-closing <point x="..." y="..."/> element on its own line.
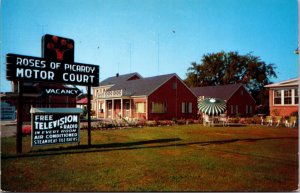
<point x="212" y="106"/>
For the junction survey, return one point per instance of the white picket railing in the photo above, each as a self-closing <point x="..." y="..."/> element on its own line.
<point x="112" y="94"/>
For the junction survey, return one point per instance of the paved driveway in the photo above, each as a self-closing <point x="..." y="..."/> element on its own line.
<point x="8" y="128"/>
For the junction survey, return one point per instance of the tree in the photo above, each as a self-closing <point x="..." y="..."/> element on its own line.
<point x="230" y="68"/>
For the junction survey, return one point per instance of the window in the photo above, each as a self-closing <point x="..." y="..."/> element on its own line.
<point x="160" y="107"/>
<point x="248" y="109"/>
<point x="296" y="96"/>
<point x="140" y="107"/>
<point x="234" y="109"/>
<point x="174" y="86"/>
<point x="277" y="97"/>
<point x="288" y="96"/>
<point x="187" y="107"/>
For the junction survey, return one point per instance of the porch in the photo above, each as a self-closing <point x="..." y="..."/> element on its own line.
<point x="120" y="108"/>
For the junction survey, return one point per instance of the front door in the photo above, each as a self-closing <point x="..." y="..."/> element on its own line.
<point x="127" y="109"/>
<point x="109" y="109"/>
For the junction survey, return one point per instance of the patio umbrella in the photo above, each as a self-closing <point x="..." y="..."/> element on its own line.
<point x="212" y="106"/>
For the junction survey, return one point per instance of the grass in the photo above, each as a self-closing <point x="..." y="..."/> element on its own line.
<point x="177" y="158"/>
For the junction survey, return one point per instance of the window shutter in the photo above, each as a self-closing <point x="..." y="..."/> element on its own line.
<point x="190" y="107"/>
<point x="183" y="107"/>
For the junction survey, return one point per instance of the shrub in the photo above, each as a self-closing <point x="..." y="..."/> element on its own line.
<point x="295" y="113"/>
<point x="141" y="123"/>
<point x="165" y="123"/>
<point x="198" y="121"/>
<point x="255" y="119"/>
<point x="181" y="122"/>
<point x="189" y="121"/>
<point x="174" y="120"/>
<point x="151" y="123"/>
<point x="26" y="130"/>
<point x="276" y="112"/>
<point x="235" y="120"/>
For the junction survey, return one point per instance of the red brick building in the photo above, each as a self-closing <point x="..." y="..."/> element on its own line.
<point x="238" y="99"/>
<point x="284" y="97"/>
<point x="152" y="98"/>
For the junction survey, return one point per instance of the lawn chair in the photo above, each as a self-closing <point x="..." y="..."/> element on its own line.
<point x="278" y="120"/>
<point x="206" y="121"/>
<point x="224" y="119"/>
<point x="291" y="122"/>
<point x="269" y="121"/>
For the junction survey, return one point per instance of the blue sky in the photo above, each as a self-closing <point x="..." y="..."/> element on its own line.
<point x="154" y="37"/>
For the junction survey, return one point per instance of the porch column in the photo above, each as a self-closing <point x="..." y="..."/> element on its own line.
<point x="97" y="108"/>
<point x="130" y="108"/>
<point x="146" y="103"/>
<point x="293" y="96"/>
<point x="104" y="110"/>
<point x="121" y="107"/>
<point x="112" y="109"/>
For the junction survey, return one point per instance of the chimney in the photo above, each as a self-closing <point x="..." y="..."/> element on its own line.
<point x="117" y="75"/>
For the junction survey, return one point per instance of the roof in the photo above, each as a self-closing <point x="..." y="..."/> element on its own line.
<point x="56" y="110"/>
<point x="82" y="101"/>
<point x="222" y="91"/>
<point x="142" y="86"/>
<point x="136" y="86"/>
<point x="286" y="83"/>
<point x="118" y="79"/>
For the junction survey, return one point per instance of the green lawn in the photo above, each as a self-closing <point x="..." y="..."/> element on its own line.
<point x="175" y="158"/>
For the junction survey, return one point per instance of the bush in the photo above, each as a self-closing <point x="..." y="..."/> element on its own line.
<point x="295" y="113"/>
<point x="181" y="122"/>
<point x="189" y="121"/>
<point x="197" y="121"/>
<point x="26" y="130"/>
<point x="141" y="123"/>
<point x="165" y="123"/>
<point x="151" y="123"/>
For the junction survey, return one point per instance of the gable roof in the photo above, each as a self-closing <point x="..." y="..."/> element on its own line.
<point x="142" y="86"/>
<point x="118" y="79"/>
<point x="82" y="101"/>
<point x="287" y="83"/>
<point x="222" y="91"/>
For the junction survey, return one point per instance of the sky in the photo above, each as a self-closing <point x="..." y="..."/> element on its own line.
<point x="154" y="37"/>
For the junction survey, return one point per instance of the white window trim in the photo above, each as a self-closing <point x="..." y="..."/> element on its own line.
<point x="282" y="97"/>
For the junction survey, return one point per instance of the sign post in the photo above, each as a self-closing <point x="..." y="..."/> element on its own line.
<point x="19" y="118"/>
<point x="89" y="115"/>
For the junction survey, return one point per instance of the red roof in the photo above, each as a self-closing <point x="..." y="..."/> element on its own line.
<point x="82" y="101"/>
